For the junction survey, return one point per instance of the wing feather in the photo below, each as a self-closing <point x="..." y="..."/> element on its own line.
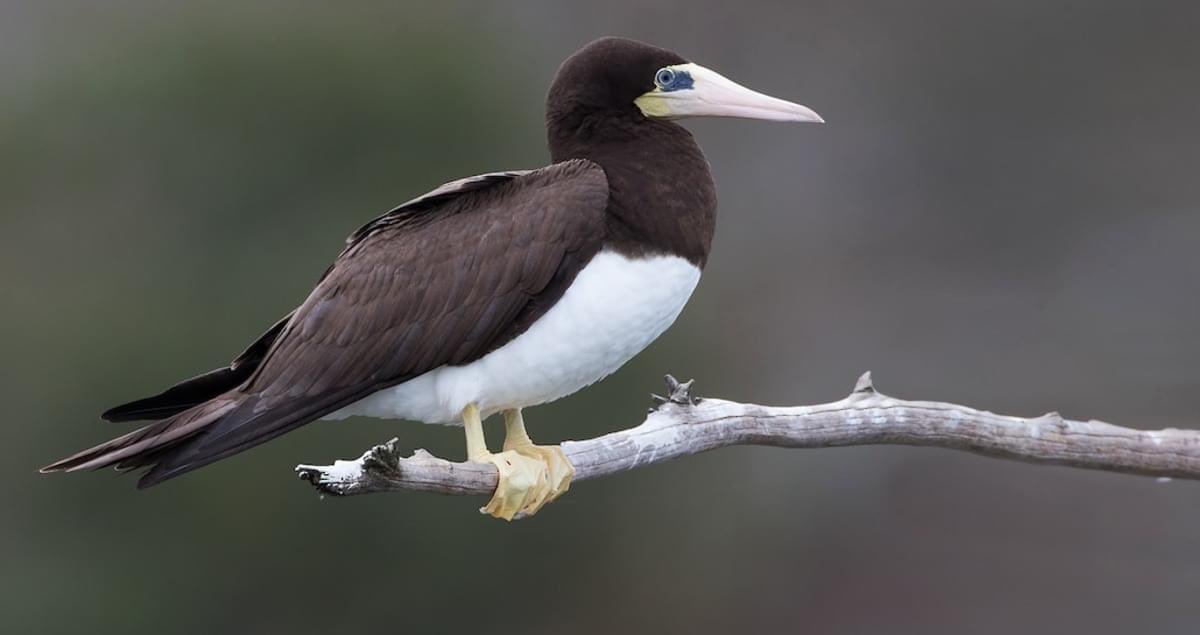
<point x="407" y="297"/>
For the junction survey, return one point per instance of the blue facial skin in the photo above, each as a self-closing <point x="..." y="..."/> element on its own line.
<point x="670" y="80"/>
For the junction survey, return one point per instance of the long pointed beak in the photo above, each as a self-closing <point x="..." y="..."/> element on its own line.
<point x="714" y="95"/>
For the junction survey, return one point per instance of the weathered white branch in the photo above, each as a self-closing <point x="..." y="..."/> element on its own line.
<point x="682" y="425"/>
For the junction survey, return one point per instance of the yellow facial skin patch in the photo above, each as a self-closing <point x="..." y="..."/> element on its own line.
<point x="667" y="80"/>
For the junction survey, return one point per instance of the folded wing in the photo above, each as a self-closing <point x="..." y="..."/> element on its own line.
<point x="442" y="280"/>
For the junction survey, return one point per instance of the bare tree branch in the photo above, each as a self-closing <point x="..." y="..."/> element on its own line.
<point x="682" y="425"/>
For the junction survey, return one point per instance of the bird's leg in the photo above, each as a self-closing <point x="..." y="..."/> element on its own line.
<point x="524" y="484"/>
<point x="559" y="469"/>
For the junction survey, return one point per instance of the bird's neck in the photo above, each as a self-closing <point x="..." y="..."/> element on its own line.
<point x="662" y="199"/>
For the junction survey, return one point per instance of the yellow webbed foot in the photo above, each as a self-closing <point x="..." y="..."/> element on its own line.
<point x="530" y="475"/>
<point x="559" y="470"/>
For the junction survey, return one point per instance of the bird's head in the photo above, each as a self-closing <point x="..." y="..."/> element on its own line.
<point x="616" y="74"/>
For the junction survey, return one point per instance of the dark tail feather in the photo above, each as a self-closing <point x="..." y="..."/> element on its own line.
<point x="201" y="388"/>
<point x="240" y="430"/>
<point x="209" y="432"/>
<point x="182" y="396"/>
<point x="136" y="448"/>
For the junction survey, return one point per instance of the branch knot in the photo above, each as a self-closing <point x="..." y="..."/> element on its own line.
<point x="678" y="393"/>
<point x="864" y="385"/>
<point x="384" y="459"/>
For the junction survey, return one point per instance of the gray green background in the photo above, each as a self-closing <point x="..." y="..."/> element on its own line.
<point x="1002" y="211"/>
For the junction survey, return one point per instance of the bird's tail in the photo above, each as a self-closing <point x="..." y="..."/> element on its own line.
<point x="146" y="446"/>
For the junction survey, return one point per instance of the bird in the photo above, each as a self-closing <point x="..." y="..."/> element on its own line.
<point x="487" y="295"/>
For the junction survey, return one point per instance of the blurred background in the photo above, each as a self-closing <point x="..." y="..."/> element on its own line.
<point x="1003" y="211"/>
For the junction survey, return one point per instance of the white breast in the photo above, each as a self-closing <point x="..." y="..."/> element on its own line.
<point x="615" y="307"/>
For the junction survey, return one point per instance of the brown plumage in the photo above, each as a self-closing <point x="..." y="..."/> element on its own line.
<point x="445" y="285"/>
<point x="450" y="276"/>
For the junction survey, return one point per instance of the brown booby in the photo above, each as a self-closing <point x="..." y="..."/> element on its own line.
<point x="487" y="295"/>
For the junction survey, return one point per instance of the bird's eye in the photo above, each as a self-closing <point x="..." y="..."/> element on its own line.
<point x="664" y="77"/>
